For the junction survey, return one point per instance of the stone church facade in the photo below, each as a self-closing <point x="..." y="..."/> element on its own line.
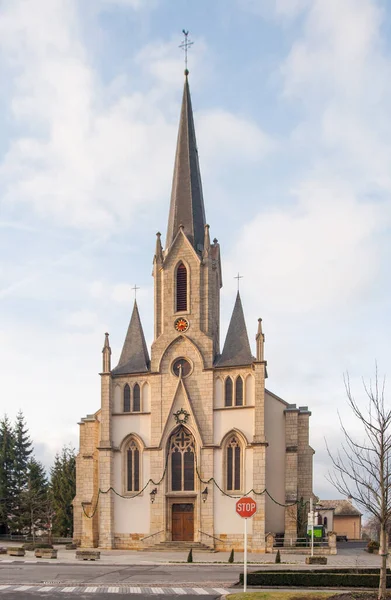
<point x="184" y="432"/>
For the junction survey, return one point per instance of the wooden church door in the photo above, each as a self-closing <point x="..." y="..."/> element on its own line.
<point x="183" y="522"/>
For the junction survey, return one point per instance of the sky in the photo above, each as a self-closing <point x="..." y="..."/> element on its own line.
<point x="291" y="103"/>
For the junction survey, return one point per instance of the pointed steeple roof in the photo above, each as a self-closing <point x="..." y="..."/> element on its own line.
<point x="134" y="356"/>
<point x="236" y="350"/>
<point x="187" y="203"/>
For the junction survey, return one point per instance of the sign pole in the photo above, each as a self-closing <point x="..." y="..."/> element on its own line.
<point x="245" y="558"/>
<point x="245" y="507"/>
<point x="312" y="529"/>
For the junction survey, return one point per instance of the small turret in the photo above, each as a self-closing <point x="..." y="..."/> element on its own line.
<point x="260" y="339"/>
<point x="106" y="355"/>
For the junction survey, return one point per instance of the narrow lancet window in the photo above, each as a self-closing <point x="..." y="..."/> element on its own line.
<point x="239" y="391"/>
<point x="136" y="398"/>
<point x="126" y="398"/>
<point x="233" y="465"/>
<point x="133" y="467"/>
<point x="181" y="287"/>
<point x="228" y="391"/>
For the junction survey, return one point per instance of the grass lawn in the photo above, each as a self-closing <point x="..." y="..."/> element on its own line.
<point x="281" y="596"/>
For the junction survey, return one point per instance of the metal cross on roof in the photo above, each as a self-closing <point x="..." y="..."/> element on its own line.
<point x="185" y="46"/>
<point x="238" y="277"/>
<point x="135" y="288"/>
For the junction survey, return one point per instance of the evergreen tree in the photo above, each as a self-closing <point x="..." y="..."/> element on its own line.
<point x="7" y="487"/>
<point x="35" y="499"/>
<point x="62" y="491"/>
<point x="23" y="449"/>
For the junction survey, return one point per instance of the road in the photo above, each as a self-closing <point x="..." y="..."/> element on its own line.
<point x="19" y="580"/>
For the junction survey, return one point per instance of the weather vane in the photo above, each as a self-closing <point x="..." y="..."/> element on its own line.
<point x="185" y="46"/>
<point x="135" y="288"/>
<point x="238" y="277"/>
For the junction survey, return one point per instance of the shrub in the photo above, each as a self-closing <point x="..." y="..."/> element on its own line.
<point x="190" y="556"/>
<point x="31" y="546"/>
<point x="372" y="545"/>
<point x="231" y="556"/>
<point x="368" y="578"/>
<point x="278" y="557"/>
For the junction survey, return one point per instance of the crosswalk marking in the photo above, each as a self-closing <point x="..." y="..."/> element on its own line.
<point x="145" y="590"/>
<point x="23" y="587"/>
<point x="68" y="589"/>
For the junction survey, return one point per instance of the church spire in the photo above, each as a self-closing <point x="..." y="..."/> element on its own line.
<point x="236" y="351"/>
<point x="134" y="356"/>
<point x="187" y="203"/>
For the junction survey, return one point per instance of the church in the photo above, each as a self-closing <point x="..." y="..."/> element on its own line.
<point x="185" y="430"/>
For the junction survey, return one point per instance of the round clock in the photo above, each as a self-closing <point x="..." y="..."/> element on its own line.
<point x="182" y="367"/>
<point x="181" y="324"/>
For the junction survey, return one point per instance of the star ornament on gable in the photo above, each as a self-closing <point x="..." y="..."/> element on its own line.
<point x="181" y="416"/>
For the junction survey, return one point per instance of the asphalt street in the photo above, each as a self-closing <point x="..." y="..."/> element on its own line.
<point x="54" y="595"/>
<point x="133" y="575"/>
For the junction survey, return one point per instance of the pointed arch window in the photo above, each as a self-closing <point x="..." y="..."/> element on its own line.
<point x="136" y="398"/>
<point x="133" y="467"/>
<point x="181" y="287"/>
<point x="239" y="391"/>
<point x="182" y="454"/>
<point x="228" y="392"/>
<point x="233" y="464"/>
<point x="127" y="398"/>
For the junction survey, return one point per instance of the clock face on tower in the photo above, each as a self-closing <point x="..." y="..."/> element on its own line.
<point x="182" y="367"/>
<point x="181" y="324"/>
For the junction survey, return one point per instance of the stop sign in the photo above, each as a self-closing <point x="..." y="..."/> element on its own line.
<point x="246" y="507"/>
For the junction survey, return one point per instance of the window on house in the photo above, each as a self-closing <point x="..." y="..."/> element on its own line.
<point x="133" y="467"/>
<point x="233" y="464"/>
<point x="181" y="287"/>
<point x="182" y="451"/>
<point x="239" y="391"/>
<point x="228" y="392"/>
<point x="136" y="398"/>
<point x="126" y="398"/>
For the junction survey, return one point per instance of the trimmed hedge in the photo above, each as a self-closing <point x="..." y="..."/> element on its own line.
<point x="368" y="578"/>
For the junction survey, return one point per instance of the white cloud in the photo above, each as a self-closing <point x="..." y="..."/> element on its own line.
<point x="135" y="4"/>
<point x="82" y="160"/>
<point x="316" y="255"/>
<point x="82" y="319"/>
<point x="226" y="137"/>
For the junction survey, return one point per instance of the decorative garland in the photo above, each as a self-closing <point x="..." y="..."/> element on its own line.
<point x="204" y="481"/>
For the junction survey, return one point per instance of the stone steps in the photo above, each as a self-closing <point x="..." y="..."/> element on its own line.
<point x="179" y="547"/>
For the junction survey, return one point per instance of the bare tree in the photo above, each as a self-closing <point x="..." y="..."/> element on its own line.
<point x="361" y="468"/>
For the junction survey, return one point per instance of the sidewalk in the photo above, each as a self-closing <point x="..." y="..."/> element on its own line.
<point x="132" y="557"/>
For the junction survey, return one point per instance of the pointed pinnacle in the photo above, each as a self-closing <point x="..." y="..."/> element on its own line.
<point x="106" y="343"/>
<point x="159" y="249"/>
<point x="206" y="240"/>
<point x="259" y="326"/>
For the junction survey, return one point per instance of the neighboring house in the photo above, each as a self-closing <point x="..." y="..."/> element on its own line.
<point x="346" y="519"/>
<point x="324" y="516"/>
<point x="185" y="429"/>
